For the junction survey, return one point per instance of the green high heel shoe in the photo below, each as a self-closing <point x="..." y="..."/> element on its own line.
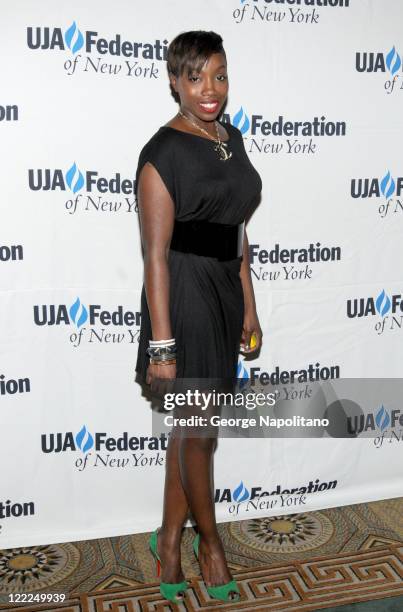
<point x="169" y="590"/>
<point x="221" y="591"/>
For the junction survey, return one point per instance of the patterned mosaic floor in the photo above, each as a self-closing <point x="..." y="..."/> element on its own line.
<point x="299" y="562"/>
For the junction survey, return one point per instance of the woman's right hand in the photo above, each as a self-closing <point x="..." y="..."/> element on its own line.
<point x="159" y="377"/>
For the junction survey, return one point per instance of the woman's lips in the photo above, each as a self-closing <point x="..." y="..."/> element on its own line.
<point x="209" y="107"/>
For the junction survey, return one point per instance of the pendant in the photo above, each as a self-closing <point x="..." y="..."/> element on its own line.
<point x="223" y="154"/>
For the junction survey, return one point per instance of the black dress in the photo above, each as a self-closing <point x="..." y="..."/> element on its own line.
<point x="206" y="296"/>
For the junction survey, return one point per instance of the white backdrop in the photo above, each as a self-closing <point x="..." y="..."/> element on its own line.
<point x="70" y="108"/>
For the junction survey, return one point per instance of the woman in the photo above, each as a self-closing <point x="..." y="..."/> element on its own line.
<point x="195" y="188"/>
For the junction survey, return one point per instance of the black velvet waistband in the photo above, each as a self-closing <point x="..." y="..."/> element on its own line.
<point x="219" y="240"/>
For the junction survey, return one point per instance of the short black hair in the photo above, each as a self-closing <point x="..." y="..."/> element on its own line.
<point x="191" y="50"/>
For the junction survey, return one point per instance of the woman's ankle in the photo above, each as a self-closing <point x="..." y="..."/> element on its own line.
<point x="170" y="535"/>
<point x="211" y="541"/>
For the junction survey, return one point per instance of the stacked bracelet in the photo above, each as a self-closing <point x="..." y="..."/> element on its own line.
<point x="162" y="342"/>
<point x="162" y="362"/>
<point x="162" y="352"/>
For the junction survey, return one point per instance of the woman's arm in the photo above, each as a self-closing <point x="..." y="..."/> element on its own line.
<point x="157" y="213"/>
<point x="251" y="322"/>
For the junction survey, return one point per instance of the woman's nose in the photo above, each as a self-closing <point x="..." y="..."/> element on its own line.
<point x="208" y="86"/>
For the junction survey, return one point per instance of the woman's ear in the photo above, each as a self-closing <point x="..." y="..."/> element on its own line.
<point x="173" y="85"/>
<point x="173" y="82"/>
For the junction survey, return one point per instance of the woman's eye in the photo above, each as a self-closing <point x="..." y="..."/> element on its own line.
<point x="220" y="77"/>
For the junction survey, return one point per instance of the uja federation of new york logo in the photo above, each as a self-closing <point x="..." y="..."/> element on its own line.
<point x="91" y="323"/>
<point x="252" y="498"/>
<point x="385" y="308"/>
<point x="105" y="55"/>
<point x="388" y="64"/>
<point x="284" y="135"/>
<point x="296" y="12"/>
<point x="385" y="191"/>
<point x="290" y="264"/>
<point x="386" y="425"/>
<point x="100" y="449"/>
<point x="89" y="190"/>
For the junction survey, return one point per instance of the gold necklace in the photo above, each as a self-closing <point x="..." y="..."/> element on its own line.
<point x="220" y="147"/>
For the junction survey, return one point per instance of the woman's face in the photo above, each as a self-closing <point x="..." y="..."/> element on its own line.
<point x="202" y="95"/>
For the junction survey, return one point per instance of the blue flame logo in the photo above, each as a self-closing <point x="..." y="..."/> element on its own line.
<point x="241" y="493"/>
<point x="242" y="374"/>
<point x="242" y="371"/>
<point x="82" y="435"/>
<point x="388" y="185"/>
<point x="382" y="303"/>
<point x="382" y="418"/>
<point x="74" y="178"/>
<point x="74" y="308"/>
<point x="393" y="61"/>
<point x="73" y="33"/>
<point x="241" y="121"/>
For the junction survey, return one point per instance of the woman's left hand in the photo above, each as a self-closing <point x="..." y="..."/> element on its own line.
<point x="251" y="327"/>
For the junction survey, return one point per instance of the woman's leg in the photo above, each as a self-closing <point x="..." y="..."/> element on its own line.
<point x="189" y="485"/>
<point x="174" y="516"/>
<point x="196" y="468"/>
